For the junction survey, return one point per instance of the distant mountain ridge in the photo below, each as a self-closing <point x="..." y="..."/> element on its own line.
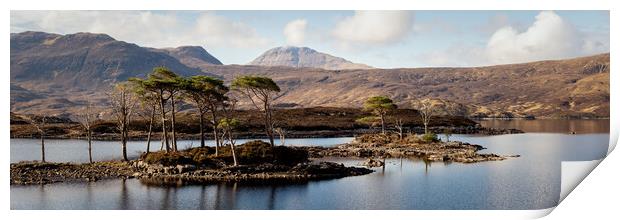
<point x="59" y="74"/>
<point x="84" y="60"/>
<point x="577" y="87"/>
<point x="192" y="56"/>
<point x="304" y="57"/>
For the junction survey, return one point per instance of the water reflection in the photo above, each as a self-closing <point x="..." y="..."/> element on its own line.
<point x="123" y="199"/>
<point x="531" y="181"/>
<point x="427" y="164"/>
<point x="203" y="198"/>
<point x="528" y="182"/>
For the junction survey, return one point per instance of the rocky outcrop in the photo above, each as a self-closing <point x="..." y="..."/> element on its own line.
<point x="25" y="173"/>
<point x="373" y="163"/>
<point x="263" y="173"/>
<point x="367" y="147"/>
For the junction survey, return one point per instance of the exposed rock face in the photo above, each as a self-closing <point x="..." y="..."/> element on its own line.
<point x="304" y="57"/>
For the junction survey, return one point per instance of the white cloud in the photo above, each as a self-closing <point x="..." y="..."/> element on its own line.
<point x="295" y="32"/>
<point x="163" y="29"/>
<point x="549" y="37"/>
<point x="374" y="27"/>
<point x="216" y="30"/>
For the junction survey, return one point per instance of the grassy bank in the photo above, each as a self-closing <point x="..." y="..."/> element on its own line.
<point x="299" y="122"/>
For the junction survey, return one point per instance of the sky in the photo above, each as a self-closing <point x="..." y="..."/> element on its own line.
<point x="384" y="39"/>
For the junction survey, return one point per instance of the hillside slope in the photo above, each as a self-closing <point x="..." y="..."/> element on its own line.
<point x="573" y="87"/>
<point x="58" y="74"/>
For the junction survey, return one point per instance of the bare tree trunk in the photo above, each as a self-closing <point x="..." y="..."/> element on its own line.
<point x="399" y="125"/>
<point x="148" y="136"/>
<point x="202" y="132"/>
<point x="124" y="141"/>
<point x="382" y="124"/>
<point x="216" y="141"/>
<point x="42" y="147"/>
<point x="215" y="133"/>
<point x="282" y="133"/>
<point x="268" y="124"/>
<point x="228" y="132"/>
<point x="232" y="150"/>
<point x="90" y="147"/>
<point x="425" y="127"/>
<point x="174" y="134"/>
<point x="163" y="125"/>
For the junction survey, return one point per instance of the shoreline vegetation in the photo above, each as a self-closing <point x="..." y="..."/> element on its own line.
<point x="314" y="122"/>
<point x="183" y="107"/>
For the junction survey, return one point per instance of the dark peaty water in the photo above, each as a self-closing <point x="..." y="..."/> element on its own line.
<point x="531" y="181"/>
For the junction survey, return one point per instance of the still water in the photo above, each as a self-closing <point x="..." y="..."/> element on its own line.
<point x="531" y="181"/>
<point x="63" y="150"/>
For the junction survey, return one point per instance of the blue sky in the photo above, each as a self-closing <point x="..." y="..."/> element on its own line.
<point x="387" y="39"/>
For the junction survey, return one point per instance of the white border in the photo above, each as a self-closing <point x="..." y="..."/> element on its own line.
<point x="304" y="5"/>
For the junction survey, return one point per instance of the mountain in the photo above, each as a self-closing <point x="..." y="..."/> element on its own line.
<point x="557" y="88"/>
<point x="59" y="74"/>
<point x="82" y="61"/>
<point x="304" y="57"/>
<point x="19" y="94"/>
<point x="193" y="56"/>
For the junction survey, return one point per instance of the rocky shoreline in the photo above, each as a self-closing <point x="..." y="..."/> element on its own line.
<point x="31" y="173"/>
<point x="261" y="162"/>
<point x="28" y="173"/>
<point x="264" y="173"/>
<point x="389" y="147"/>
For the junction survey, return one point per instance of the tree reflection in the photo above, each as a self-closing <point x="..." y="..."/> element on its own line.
<point x="427" y="164"/>
<point x="202" y="204"/>
<point x="166" y="203"/>
<point x="272" y="198"/>
<point x="124" y="196"/>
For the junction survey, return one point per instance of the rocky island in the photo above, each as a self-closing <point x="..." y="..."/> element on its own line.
<point x="383" y="130"/>
<point x="260" y="163"/>
<point x="373" y="146"/>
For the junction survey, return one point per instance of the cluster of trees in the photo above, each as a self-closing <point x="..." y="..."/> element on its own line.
<point x="381" y="106"/>
<point x="159" y="94"/>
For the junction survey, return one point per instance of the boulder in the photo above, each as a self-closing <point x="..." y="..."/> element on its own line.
<point x="373" y="163"/>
